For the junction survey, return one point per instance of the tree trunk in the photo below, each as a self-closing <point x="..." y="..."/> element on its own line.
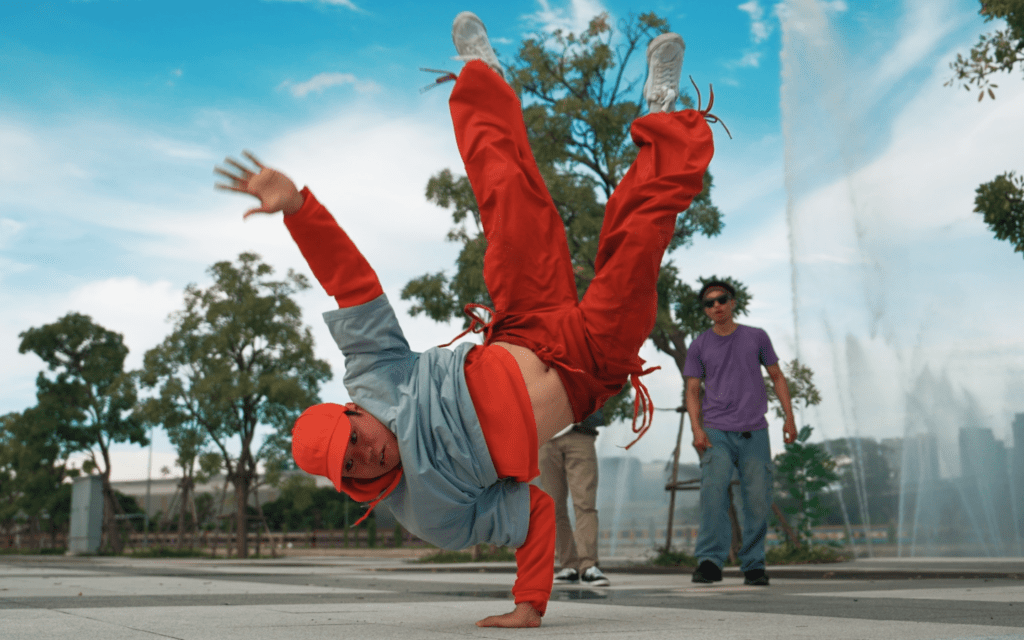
<point x="675" y="479"/>
<point x="111" y="509"/>
<point x="241" y="518"/>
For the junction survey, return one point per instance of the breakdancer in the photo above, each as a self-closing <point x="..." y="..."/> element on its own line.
<point x="449" y="437"/>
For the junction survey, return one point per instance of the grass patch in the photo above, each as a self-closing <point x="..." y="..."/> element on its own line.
<point x="58" y="551"/>
<point x="673" y="559"/>
<point x="485" y="553"/>
<point x="816" y="554"/>
<point x="782" y="554"/>
<point x="168" y="552"/>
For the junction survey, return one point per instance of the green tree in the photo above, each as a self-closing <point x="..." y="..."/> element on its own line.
<point x="996" y="52"/>
<point x="89" y="398"/>
<point x="1001" y="201"/>
<point x="803" y="469"/>
<point x="803" y="472"/>
<point x="237" y="359"/>
<point x="33" y="471"/>
<point x="1001" y="204"/>
<point x="190" y="440"/>
<point x="579" y="100"/>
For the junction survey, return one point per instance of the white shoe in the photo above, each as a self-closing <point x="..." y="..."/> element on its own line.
<point x="470" y="37"/>
<point x="594" y="578"/>
<point x="567" y="576"/>
<point x="664" y="66"/>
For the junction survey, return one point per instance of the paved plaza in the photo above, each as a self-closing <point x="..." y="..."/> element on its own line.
<point x="383" y="598"/>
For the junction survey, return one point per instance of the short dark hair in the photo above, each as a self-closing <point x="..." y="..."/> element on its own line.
<point x="716" y="284"/>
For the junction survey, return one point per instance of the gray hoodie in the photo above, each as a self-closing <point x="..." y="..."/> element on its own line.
<point x="450" y="495"/>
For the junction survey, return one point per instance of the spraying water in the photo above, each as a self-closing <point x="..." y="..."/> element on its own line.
<point x="863" y="306"/>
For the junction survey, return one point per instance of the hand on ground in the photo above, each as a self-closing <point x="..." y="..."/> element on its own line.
<point x="523" y="617"/>
<point x="276" y="192"/>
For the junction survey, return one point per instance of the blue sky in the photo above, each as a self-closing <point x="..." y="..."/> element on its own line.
<point x="114" y="113"/>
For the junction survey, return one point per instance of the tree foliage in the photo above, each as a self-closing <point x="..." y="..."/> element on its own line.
<point x="238" y="358"/>
<point x="1001" y="201"/>
<point x="800" y="381"/>
<point x="580" y="94"/>
<point x="88" y="399"/>
<point x="1001" y="204"/>
<point x="996" y="52"/>
<point x="33" y="471"/>
<point x="803" y="472"/>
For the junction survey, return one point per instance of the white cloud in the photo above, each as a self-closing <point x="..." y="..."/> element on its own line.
<point x="367" y="163"/>
<point x="322" y="81"/>
<point x="760" y="29"/>
<point x="574" y="18"/>
<point x="749" y="59"/>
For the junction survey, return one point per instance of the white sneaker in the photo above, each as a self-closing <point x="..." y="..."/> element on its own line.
<point x="664" y="66"/>
<point x="594" y="578"/>
<point x="470" y="37"/>
<point x="567" y="576"/>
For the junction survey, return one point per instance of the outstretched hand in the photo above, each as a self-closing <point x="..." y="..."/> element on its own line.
<point x="522" y="617"/>
<point x="276" y="192"/>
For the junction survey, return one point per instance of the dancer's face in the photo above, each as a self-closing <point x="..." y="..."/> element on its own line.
<point x="719" y="311"/>
<point x="372" y="448"/>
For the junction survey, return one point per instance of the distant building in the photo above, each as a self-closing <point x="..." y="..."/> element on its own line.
<point x="981" y="455"/>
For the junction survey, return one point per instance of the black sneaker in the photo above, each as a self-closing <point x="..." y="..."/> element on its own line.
<point x="567" y="576"/>
<point x="707" y="573"/>
<point x="756" y="578"/>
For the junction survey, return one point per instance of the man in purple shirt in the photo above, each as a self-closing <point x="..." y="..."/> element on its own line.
<point x="731" y="432"/>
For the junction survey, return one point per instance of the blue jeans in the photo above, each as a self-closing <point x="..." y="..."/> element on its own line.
<point x="753" y="459"/>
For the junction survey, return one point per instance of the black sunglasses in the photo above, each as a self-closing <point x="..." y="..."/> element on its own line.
<point x="722" y="299"/>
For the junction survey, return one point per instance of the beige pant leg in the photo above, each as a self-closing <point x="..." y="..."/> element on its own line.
<point x="553" y="481"/>
<point x="581" y="477"/>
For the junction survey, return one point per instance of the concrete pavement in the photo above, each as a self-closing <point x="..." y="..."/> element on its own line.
<point x="389" y="598"/>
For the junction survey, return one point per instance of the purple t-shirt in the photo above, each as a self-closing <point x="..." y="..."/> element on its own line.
<point x="734" y="395"/>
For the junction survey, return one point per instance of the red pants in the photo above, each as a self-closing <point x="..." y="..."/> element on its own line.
<point x="593" y="343"/>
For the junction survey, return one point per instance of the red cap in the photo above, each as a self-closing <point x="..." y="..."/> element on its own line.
<point x="319" y="441"/>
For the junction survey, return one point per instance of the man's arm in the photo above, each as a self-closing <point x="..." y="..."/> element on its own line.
<point x="338" y="265"/>
<point x="535" y="567"/>
<point x="700" y="437"/>
<point x="782" y="391"/>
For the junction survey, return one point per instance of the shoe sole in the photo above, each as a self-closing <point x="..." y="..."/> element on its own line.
<point x="461" y="20"/>
<point x="658" y="42"/>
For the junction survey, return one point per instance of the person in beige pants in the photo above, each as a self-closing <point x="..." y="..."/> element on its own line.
<point x="568" y="464"/>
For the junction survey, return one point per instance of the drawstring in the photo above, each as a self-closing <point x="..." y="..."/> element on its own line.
<point x="642" y="404"/>
<point x="706" y="112"/>
<point x="476" y="324"/>
<point x="383" y="494"/>
<point x="551" y="356"/>
<point x="447" y="76"/>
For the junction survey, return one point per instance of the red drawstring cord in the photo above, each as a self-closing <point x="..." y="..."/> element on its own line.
<point x="641" y="404"/>
<point x="447" y="76"/>
<point x="476" y="324"/>
<point x="549" y="356"/>
<point x="383" y="494"/>
<point x="706" y="112"/>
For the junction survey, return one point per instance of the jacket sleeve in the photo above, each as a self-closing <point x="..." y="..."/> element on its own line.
<point x="535" y="560"/>
<point x="338" y="265"/>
